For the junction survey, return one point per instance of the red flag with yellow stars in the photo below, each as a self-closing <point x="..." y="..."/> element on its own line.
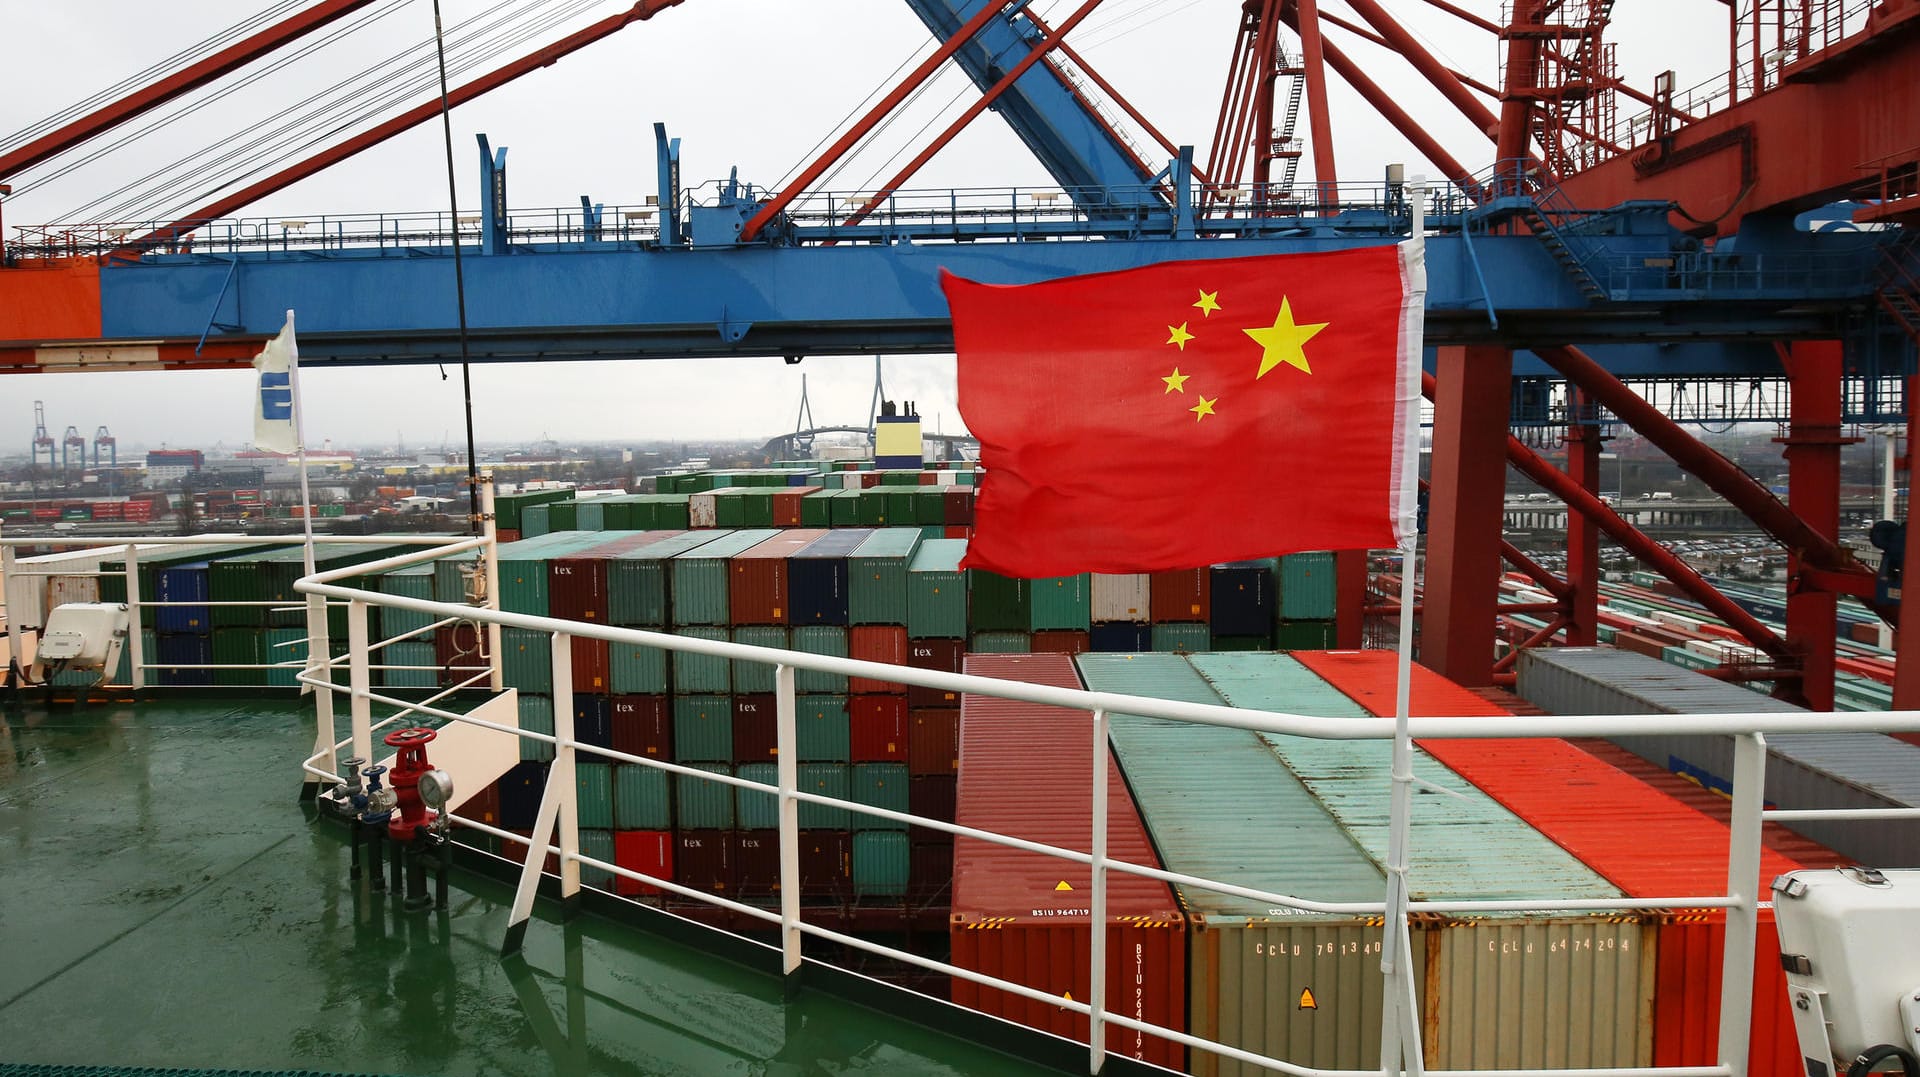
<point x="1190" y="413"/>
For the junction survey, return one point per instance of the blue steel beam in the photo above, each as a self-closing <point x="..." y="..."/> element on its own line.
<point x="1075" y="145"/>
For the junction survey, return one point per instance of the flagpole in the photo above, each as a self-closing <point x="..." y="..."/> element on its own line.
<point x="1400" y="1048"/>
<point x="300" y="438"/>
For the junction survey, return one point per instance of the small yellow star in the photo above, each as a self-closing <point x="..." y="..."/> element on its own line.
<point x="1176" y="382"/>
<point x="1203" y="409"/>
<point x="1209" y="302"/>
<point x="1284" y="341"/>
<point x="1179" y="335"/>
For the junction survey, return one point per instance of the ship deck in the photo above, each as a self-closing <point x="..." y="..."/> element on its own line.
<point x="166" y="902"/>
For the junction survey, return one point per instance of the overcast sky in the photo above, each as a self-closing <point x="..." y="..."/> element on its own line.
<point x="748" y="83"/>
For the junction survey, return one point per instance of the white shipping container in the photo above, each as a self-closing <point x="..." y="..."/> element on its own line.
<point x="1121" y="598"/>
<point x="701" y="510"/>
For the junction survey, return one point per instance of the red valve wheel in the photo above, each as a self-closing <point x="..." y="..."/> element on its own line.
<point x="407" y="738"/>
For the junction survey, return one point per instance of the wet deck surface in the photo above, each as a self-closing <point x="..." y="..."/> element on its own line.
<point x="164" y="902"/>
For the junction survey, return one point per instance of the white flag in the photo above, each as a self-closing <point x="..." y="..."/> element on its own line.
<point x="273" y="429"/>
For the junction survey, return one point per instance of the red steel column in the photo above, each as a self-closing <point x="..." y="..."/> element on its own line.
<point x="1471" y="416"/>
<point x="1813" y="493"/>
<point x="1583" y="535"/>
<point x="1906" y="634"/>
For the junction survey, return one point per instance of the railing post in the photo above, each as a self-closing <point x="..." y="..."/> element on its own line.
<point x="319" y="657"/>
<point x="1097" y="904"/>
<point x="786" y="764"/>
<point x="359" y="681"/>
<point x="562" y="776"/>
<point x="136" y="622"/>
<point x="1743" y="881"/>
<point x="492" y="562"/>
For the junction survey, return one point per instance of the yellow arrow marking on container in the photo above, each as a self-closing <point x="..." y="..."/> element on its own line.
<point x="1063" y="885"/>
<point x="1306" y="999"/>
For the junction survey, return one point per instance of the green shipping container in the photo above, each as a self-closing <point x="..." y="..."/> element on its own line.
<point x="1060" y="602"/>
<point x="523" y="570"/>
<point x="599" y="845"/>
<point x="873" y="507"/>
<point x="239" y="646"/>
<point x="637" y="580"/>
<point x="414" y="581"/>
<point x="877" y="577"/>
<point x="1307" y="587"/>
<point x="902" y="501"/>
<point x="700" y="576"/>
<point x="1001" y="643"/>
<point x="536" y="715"/>
<point x="826" y="780"/>
<point x="820" y="639"/>
<point x="822" y="729"/>
<point x="594" y="783"/>
<point x="816" y="509"/>
<point x="701" y="672"/>
<point x="564" y="516"/>
<point x="535" y="521"/>
<point x="704" y="804"/>
<point x="415" y="653"/>
<point x="526" y="660"/>
<point x="702" y="730"/>
<point x="880" y="863"/>
<point x="636" y="670"/>
<point x="879" y="785"/>
<point x="1301" y="636"/>
<point x="1183" y="638"/>
<point x="756" y="677"/>
<point x="591" y="515"/>
<point x="284" y="645"/>
<point x="641" y="798"/>
<point x="846" y="508"/>
<point x="760" y="811"/>
<point x="937" y="591"/>
<point x="930" y="505"/>
<point x="730" y="507"/>
<point x="998" y="603"/>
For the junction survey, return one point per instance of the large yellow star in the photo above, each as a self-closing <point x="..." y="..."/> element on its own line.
<point x="1203" y="409"/>
<point x="1176" y="382"/>
<point x="1284" y="341"/>
<point x="1177" y="334"/>
<point x="1209" y="302"/>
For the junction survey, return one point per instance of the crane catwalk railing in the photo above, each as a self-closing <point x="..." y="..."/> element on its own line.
<point x="558" y="810"/>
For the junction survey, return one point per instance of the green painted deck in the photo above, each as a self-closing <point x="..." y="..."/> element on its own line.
<point x="165" y="902"/>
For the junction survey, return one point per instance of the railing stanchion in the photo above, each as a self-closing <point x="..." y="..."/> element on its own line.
<point x="1097" y="904"/>
<point x="562" y="776"/>
<point x="1743" y="881"/>
<point x="786" y="752"/>
<point x="359" y="681"/>
<point x="136" y="622"/>
<point x="491" y="554"/>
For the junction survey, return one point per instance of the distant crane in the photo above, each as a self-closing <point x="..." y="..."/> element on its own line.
<point x="41" y="439"/>
<point x="103" y="439"/>
<point x="73" y="440"/>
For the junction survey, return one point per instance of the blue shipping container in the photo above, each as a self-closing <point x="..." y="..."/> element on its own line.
<point x="183" y="583"/>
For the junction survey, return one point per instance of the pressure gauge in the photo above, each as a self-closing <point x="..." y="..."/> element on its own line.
<point x="436" y="788"/>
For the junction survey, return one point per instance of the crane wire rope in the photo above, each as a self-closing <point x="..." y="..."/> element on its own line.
<point x="153" y="71"/>
<point x="341" y="107"/>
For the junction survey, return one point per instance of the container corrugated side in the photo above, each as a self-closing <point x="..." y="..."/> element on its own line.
<point x="758" y="587"/>
<point x="817" y="588"/>
<point x="1220" y="805"/>
<point x="1307" y="586"/>
<point x="1122" y="598"/>
<point x="1466" y="846"/>
<point x="1804" y="770"/>
<point x="637" y="579"/>
<point x="1060" y="602"/>
<point x="1011" y="918"/>
<point x="1607" y="818"/>
<point x="937" y="590"/>
<point x="877" y="577"/>
<point x="699" y="578"/>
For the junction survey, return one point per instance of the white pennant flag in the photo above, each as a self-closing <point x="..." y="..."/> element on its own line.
<point x="273" y="429"/>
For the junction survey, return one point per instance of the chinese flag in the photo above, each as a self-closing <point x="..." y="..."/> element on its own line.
<point x="1189" y="413"/>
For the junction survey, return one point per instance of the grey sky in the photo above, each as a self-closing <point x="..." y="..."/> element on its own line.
<point x="752" y="83"/>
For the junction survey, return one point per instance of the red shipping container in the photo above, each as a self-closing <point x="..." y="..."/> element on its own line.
<point x="1181" y="595"/>
<point x="755" y="728"/>
<point x="930" y="872"/>
<point x="926" y="478"/>
<point x="649" y="852"/>
<point x="877" y="643"/>
<point x="462" y="645"/>
<point x="703" y="860"/>
<point x="786" y="505"/>
<point x="643" y="726"/>
<point x="592" y="665"/>
<point x="1060" y="641"/>
<point x="577" y="584"/>
<point x="959" y="531"/>
<point x="956" y="506"/>
<point x="879" y="728"/>
<point x="932" y="796"/>
<point x="933" y="740"/>
<point x="483" y="807"/>
<point x="506" y="534"/>
<point x="757" y="578"/>
<point x="1022" y="916"/>
<point x="937" y="654"/>
<point x="517" y="851"/>
<point x="826" y="866"/>
<point x="869" y="479"/>
<point x="756" y="864"/>
<point x="1610" y="825"/>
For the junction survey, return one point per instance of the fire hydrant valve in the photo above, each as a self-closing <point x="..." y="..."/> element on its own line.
<point x="409" y="766"/>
